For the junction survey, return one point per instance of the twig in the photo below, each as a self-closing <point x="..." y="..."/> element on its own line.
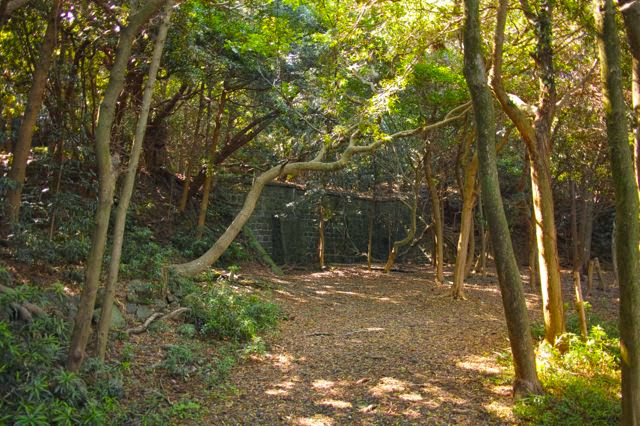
<point x="142" y="328"/>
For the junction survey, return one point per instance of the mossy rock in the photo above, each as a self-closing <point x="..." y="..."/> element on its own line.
<point x="117" y="320"/>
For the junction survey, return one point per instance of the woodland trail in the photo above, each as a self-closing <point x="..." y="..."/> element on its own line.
<point x="363" y="347"/>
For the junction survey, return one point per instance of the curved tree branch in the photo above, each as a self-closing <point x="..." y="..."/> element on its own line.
<point x="222" y="243"/>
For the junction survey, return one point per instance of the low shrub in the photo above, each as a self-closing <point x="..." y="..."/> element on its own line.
<point x="582" y="384"/>
<point x="223" y="313"/>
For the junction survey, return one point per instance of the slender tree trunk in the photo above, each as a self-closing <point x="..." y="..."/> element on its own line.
<point x="548" y="264"/>
<point x="577" y="263"/>
<point x="208" y="182"/>
<point x="471" y="252"/>
<point x="184" y="198"/>
<point x="482" y="256"/>
<point x="412" y="227"/>
<point x="127" y="186"/>
<point x="635" y="99"/>
<point x="533" y="250"/>
<point x="515" y="308"/>
<point x="627" y="205"/>
<point x="372" y="216"/>
<point x="436" y="211"/>
<point x="321" y="240"/>
<point x="22" y="147"/>
<point x="372" y="213"/>
<point x="468" y="200"/>
<point x="107" y="173"/>
<point x="585" y="231"/>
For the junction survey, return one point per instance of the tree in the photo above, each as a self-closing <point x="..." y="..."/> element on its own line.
<point x="515" y="308"/>
<point x="537" y="137"/>
<point x="627" y="207"/>
<point x="107" y="173"/>
<point x="127" y="186"/>
<point x="631" y="17"/>
<point x="22" y="147"/>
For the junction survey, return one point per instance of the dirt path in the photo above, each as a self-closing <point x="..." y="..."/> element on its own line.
<point x="362" y="347"/>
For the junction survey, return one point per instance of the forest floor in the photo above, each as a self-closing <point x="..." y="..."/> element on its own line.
<point x="363" y="347"/>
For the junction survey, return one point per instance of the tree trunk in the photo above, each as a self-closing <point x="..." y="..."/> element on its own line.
<point x="468" y="200"/>
<point x="436" y="211"/>
<point x="482" y="256"/>
<point x="627" y="205"/>
<point x="577" y="263"/>
<point x="190" y="156"/>
<point x="412" y="227"/>
<point x="372" y="216"/>
<point x="22" y="146"/>
<point x="537" y="136"/>
<point x="127" y="186"/>
<point x="471" y="252"/>
<point x="548" y="264"/>
<point x="585" y="232"/>
<point x="515" y="308"/>
<point x="635" y="100"/>
<point x="321" y="241"/>
<point x="208" y="181"/>
<point x="107" y="171"/>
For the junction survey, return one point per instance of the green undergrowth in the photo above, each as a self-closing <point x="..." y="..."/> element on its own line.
<point x="581" y="384"/>
<point x="224" y="326"/>
<point x="37" y="390"/>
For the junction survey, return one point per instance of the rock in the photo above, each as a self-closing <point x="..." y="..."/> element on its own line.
<point x="131" y="308"/>
<point x="117" y="320"/>
<point x="143" y="312"/>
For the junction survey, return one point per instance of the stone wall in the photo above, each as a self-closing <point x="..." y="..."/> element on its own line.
<point x="286" y="217"/>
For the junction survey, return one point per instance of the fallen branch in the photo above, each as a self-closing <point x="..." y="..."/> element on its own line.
<point x="319" y="333"/>
<point x="142" y="328"/>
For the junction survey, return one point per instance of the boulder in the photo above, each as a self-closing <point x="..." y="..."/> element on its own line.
<point x="117" y="320"/>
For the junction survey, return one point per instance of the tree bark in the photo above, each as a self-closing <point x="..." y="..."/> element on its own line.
<point x="321" y="240"/>
<point x="537" y="136"/>
<point x="107" y="172"/>
<point x="22" y="147"/>
<point x="436" y="212"/>
<point x="515" y="308"/>
<point x="577" y="263"/>
<point x="8" y="7"/>
<point x="482" y="256"/>
<point x="468" y="200"/>
<point x="413" y="212"/>
<point x="190" y="156"/>
<point x="128" y="184"/>
<point x="585" y="232"/>
<point x="208" y="182"/>
<point x="627" y="205"/>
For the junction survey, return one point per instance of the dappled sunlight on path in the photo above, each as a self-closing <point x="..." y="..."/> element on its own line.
<point x="362" y="347"/>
